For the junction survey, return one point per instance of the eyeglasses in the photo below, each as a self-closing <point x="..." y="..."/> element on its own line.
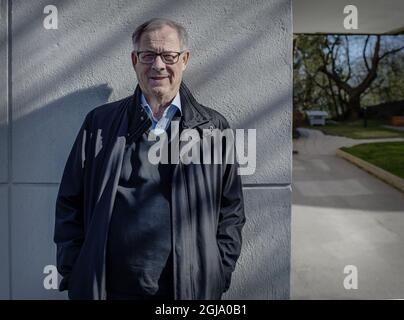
<point x="168" y="57"/>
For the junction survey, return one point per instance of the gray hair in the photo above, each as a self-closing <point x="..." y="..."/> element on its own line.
<point x="158" y="23"/>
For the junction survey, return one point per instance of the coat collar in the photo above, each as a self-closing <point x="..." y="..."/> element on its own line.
<point x="193" y="113"/>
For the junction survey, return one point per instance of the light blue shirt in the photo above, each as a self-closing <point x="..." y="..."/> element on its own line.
<point x="169" y="112"/>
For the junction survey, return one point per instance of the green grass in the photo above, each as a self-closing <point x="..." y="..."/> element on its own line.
<point x="355" y="130"/>
<point x="386" y="155"/>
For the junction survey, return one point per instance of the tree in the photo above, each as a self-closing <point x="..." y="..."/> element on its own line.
<point x="341" y="74"/>
<point x="312" y="89"/>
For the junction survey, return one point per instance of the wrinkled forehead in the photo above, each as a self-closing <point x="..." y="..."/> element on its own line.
<point x="161" y="39"/>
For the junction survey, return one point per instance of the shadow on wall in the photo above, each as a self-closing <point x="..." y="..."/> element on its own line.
<point x="42" y="140"/>
<point x="46" y="135"/>
<point x="75" y="59"/>
<point x="264" y="266"/>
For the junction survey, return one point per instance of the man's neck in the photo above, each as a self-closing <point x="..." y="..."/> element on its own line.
<point x="158" y="105"/>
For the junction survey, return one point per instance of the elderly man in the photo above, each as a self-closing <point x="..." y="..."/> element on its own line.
<point x="126" y="228"/>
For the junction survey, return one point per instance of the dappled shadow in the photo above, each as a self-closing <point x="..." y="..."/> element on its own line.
<point x="72" y="59"/>
<point x="267" y="231"/>
<point x="44" y="137"/>
<point x="49" y="112"/>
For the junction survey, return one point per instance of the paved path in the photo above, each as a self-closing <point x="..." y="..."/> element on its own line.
<point x="342" y="216"/>
<point x="394" y="128"/>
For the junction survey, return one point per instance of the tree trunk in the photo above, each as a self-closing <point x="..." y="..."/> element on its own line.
<point x="353" y="108"/>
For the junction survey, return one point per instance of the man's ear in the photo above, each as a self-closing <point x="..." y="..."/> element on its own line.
<point x="134" y="58"/>
<point x="185" y="58"/>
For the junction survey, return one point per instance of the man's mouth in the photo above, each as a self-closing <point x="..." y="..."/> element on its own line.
<point x="159" y="77"/>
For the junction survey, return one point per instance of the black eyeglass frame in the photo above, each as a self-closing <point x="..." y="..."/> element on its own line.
<point x="161" y="54"/>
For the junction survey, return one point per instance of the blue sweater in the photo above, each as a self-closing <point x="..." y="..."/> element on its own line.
<point x="139" y="239"/>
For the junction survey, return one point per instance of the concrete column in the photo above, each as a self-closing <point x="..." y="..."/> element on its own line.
<point x="241" y="65"/>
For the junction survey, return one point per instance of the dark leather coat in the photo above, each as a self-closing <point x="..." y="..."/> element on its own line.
<point x="207" y="204"/>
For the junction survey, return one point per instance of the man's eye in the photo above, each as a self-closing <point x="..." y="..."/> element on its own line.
<point x="148" y="56"/>
<point x="169" y="56"/>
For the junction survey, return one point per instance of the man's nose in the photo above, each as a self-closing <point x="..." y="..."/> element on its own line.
<point x="158" y="64"/>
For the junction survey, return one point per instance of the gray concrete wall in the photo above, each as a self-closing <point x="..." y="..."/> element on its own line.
<point x="3" y="92"/>
<point x="240" y="66"/>
<point x="4" y="211"/>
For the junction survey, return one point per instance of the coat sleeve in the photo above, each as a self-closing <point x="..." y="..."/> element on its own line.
<point x="231" y="219"/>
<point x="69" y="222"/>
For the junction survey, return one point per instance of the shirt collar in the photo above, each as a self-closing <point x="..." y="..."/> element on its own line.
<point x="162" y="125"/>
<point x="176" y="102"/>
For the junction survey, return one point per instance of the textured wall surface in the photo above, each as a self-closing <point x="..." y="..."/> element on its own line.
<point x="4" y="212"/>
<point x="4" y="249"/>
<point x="240" y="65"/>
<point x="3" y="92"/>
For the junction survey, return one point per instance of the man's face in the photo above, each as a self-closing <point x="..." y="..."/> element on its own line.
<point x="160" y="81"/>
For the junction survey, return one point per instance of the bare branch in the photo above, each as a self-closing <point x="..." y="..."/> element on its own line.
<point x="376" y="58"/>
<point x="343" y="85"/>
<point x="333" y="58"/>
<point x="364" y="53"/>
<point x="391" y="52"/>
<point x="348" y="58"/>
